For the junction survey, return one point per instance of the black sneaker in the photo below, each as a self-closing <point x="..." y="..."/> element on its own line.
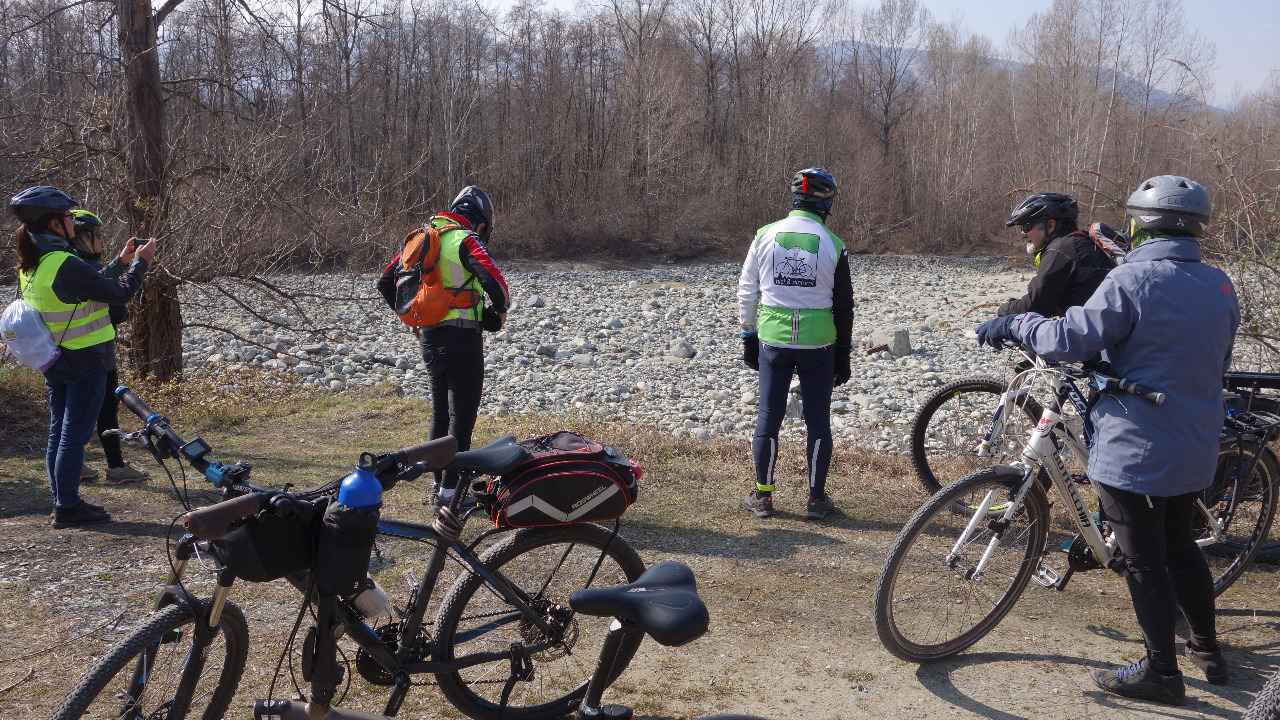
<point x="759" y="505"/>
<point x="1211" y="662"/>
<point x="82" y="514"/>
<point x="819" y="507"/>
<point x="1139" y="682"/>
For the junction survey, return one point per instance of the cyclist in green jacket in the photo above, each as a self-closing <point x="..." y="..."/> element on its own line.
<point x="795" y="302"/>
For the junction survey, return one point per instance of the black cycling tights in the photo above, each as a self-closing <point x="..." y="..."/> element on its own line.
<point x="1166" y="570"/>
<point x="455" y="358"/>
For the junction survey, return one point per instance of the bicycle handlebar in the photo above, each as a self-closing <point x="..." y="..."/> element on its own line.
<point x="435" y="453"/>
<point x="212" y="522"/>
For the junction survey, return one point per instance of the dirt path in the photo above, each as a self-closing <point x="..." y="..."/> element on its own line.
<point x="792" y="635"/>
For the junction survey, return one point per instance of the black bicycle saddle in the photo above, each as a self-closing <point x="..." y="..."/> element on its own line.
<point x="663" y="602"/>
<point x="496" y="458"/>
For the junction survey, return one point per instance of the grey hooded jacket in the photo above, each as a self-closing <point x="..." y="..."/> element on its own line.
<point x="1166" y="321"/>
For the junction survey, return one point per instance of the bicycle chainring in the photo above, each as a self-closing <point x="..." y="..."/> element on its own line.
<point x="373" y="672"/>
<point x="1080" y="555"/>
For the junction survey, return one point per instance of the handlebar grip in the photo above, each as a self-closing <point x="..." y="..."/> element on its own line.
<point x="134" y="403"/>
<point x="437" y="454"/>
<point x="211" y="523"/>
<point x="1156" y="397"/>
<point x="1147" y="394"/>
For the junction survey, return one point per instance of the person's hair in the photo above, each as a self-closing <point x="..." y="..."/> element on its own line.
<point x="1063" y="226"/>
<point x="28" y="255"/>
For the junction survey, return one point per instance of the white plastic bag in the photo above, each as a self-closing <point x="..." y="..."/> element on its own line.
<point x="26" y="336"/>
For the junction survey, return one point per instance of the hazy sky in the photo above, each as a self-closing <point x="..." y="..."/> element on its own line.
<point x="1245" y="33"/>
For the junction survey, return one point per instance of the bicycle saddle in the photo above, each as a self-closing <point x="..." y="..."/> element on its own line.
<point x="496" y="458"/>
<point x="663" y="602"/>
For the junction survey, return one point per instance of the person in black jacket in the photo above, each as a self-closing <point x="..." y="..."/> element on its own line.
<point x="1069" y="266"/>
<point x="72" y="299"/>
<point x="89" y="245"/>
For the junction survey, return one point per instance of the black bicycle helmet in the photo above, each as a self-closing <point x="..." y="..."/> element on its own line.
<point x="813" y="189"/>
<point x="474" y="204"/>
<point x="85" y="221"/>
<point x="1169" y="203"/>
<point x="1039" y="207"/>
<point x="34" y="204"/>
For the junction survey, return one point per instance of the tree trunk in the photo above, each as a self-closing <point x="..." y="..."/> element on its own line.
<point x="156" y="344"/>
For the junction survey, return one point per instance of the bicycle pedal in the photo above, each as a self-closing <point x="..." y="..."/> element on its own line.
<point x="171" y="636"/>
<point x="1046" y="576"/>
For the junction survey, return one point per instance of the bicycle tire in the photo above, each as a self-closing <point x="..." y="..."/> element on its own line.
<point x="1266" y="704"/>
<point x="1266" y="473"/>
<point x="942" y="507"/>
<point x="920" y="424"/>
<point x="151" y="634"/>
<point x="457" y="690"/>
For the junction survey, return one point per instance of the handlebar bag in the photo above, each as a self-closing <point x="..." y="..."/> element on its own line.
<point x="568" y="479"/>
<point x="268" y="547"/>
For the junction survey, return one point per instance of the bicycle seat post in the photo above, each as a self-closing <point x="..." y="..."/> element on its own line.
<point x="590" y="709"/>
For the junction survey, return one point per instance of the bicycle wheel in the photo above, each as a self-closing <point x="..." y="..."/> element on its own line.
<point x="1266" y="704"/>
<point x="949" y="425"/>
<point x="929" y="603"/>
<point x="1246" y="507"/>
<point x="138" y="677"/>
<point x="547" y="564"/>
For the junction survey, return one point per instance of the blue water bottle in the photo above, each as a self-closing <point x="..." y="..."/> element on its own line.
<point x="361" y="488"/>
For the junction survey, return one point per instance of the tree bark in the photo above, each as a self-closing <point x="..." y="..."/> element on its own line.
<point x="155" y="348"/>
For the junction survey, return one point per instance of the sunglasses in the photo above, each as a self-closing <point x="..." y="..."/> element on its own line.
<point x="1028" y="227"/>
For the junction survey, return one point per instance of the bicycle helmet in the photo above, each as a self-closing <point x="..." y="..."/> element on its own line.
<point x="1169" y="203"/>
<point x="813" y="189"/>
<point x="85" y="221"/>
<point x="33" y="205"/>
<point x="474" y="204"/>
<point x="1038" y="207"/>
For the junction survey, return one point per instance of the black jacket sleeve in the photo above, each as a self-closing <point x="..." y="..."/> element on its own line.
<point x="842" y="303"/>
<point x="1047" y="291"/>
<point x="478" y="262"/>
<point x="387" y="282"/>
<point x="119" y="313"/>
<point x="77" y="281"/>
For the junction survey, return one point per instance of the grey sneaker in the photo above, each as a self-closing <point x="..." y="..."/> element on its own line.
<point x="1211" y="662"/>
<point x="88" y="475"/>
<point x="1140" y="681"/>
<point x="759" y="505"/>
<point x="819" y="507"/>
<point x="126" y="474"/>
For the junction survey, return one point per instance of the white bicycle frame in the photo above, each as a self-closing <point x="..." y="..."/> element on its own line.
<point x="1043" y="452"/>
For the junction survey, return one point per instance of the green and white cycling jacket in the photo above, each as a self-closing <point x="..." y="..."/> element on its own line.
<point x="787" y="281"/>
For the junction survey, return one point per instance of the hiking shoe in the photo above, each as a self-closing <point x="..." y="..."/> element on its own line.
<point x="1140" y="682"/>
<point x="88" y="475"/>
<point x="126" y="474"/>
<point x="1211" y="662"/>
<point x="819" y="507"/>
<point x="759" y="505"/>
<point x="82" y="514"/>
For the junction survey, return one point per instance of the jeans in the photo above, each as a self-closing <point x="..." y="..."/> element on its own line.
<point x="74" y="405"/>
<point x="455" y="358"/>
<point x="816" y="368"/>
<point x="1165" y="570"/>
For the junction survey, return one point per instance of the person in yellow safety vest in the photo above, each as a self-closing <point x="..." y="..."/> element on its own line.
<point x="72" y="299"/>
<point x="89" y="245"/>
<point x="453" y="350"/>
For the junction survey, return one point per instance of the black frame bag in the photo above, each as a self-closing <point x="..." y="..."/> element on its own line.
<point x="569" y="479"/>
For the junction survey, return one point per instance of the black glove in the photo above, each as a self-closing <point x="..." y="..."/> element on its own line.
<point x="843" y="372"/>
<point x="491" y="320"/>
<point x="997" y="332"/>
<point x="751" y="351"/>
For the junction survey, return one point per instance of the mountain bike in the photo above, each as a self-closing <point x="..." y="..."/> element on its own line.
<point x="963" y="426"/>
<point x="1266" y="704"/>
<point x="506" y="642"/>
<point x="986" y="533"/>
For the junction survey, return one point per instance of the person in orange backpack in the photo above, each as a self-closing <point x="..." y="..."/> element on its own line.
<point x="450" y="331"/>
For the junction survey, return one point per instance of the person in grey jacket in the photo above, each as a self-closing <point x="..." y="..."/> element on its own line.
<point x="1166" y="321"/>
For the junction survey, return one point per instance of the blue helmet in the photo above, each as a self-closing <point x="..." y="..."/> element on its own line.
<point x="813" y="189"/>
<point x="37" y="203"/>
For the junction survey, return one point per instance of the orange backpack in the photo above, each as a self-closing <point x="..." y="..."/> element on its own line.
<point x="422" y="300"/>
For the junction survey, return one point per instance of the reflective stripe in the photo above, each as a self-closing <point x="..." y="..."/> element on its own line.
<point x="458" y="322"/>
<point x="79" y="331"/>
<point x="82" y="310"/>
